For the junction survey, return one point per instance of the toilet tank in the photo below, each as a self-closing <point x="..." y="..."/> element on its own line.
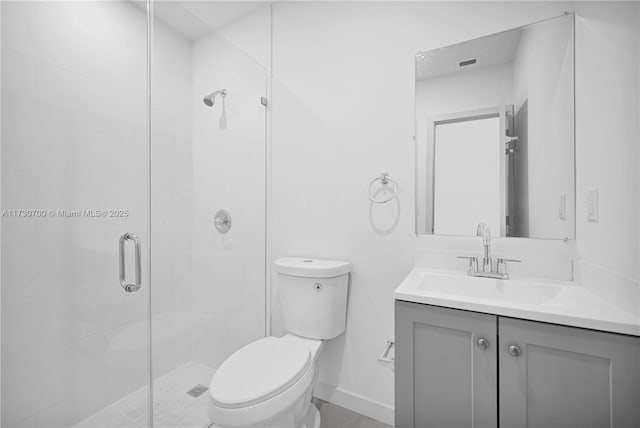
<point x="313" y="295"/>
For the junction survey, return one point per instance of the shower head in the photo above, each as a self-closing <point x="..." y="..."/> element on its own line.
<point x="211" y="98"/>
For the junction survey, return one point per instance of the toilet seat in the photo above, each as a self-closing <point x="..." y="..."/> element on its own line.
<point x="259" y="371"/>
<point x="260" y="399"/>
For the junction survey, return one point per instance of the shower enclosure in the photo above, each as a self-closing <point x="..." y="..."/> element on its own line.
<point x="120" y="297"/>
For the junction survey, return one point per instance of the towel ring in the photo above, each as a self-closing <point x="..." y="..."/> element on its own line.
<point x="385" y="179"/>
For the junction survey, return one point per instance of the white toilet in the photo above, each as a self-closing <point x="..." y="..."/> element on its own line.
<point x="269" y="383"/>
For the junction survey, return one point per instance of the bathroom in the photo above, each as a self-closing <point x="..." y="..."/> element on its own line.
<point x="160" y="160"/>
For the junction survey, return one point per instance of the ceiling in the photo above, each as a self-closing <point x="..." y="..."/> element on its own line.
<point x="195" y="19"/>
<point x="490" y="50"/>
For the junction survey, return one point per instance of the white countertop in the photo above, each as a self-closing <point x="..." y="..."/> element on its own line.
<point x="556" y="302"/>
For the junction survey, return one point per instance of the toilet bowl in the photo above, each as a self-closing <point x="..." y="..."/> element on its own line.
<point x="269" y="382"/>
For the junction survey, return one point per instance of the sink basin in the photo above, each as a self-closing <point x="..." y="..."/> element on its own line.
<point x="556" y="302"/>
<point x="514" y="291"/>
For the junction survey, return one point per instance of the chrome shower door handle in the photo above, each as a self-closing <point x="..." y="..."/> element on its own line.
<point x="130" y="288"/>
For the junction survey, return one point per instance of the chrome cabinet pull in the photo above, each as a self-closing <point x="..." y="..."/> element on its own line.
<point x="483" y="343"/>
<point x="515" y="351"/>
<point x="130" y="288"/>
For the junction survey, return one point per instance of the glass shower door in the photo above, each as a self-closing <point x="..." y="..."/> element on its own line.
<point x="75" y="214"/>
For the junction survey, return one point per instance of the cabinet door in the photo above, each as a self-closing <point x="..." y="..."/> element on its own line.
<point x="567" y="377"/>
<point x="443" y="378"/>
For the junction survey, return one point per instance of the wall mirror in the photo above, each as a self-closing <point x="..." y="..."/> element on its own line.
<point x="495" y="134"/>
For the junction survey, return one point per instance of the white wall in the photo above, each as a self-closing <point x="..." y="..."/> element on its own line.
<point x="343" y="112"/>
<point x="607" y="147"/>
<point x="229" y="172"/>
<point x="74" y="116"/>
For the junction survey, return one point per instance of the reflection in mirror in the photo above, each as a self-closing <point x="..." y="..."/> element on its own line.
<point x="495" y="134"/>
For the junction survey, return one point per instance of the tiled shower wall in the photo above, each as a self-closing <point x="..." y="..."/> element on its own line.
<point x="229" y="172"/>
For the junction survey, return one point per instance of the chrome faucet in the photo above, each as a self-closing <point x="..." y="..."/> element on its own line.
<point x="487" y="270"/>
<point x="484" y="231"/>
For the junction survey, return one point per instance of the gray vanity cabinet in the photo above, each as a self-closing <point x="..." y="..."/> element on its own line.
<point x="549" y="376"/>
<point x="560" y="377"/>
<point x="446" y="375"/>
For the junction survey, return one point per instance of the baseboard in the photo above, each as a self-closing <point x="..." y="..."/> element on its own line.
<point x="355" y="402"/>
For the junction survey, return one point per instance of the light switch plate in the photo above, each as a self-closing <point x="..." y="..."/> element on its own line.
<point x="592" y="205"/>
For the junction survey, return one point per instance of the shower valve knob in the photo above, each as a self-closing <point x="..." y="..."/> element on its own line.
<point x="222" y="221"/>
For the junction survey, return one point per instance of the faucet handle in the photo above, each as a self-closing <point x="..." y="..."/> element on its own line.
<point x="502" y="264"/>
<point x="473" y="262"/>
<point x="503" y="260"/>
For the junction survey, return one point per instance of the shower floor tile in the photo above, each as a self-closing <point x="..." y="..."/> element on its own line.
<point x="172" y="406"/>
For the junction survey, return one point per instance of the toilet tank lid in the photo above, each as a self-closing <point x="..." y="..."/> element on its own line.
<point x="311" y="268"/>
